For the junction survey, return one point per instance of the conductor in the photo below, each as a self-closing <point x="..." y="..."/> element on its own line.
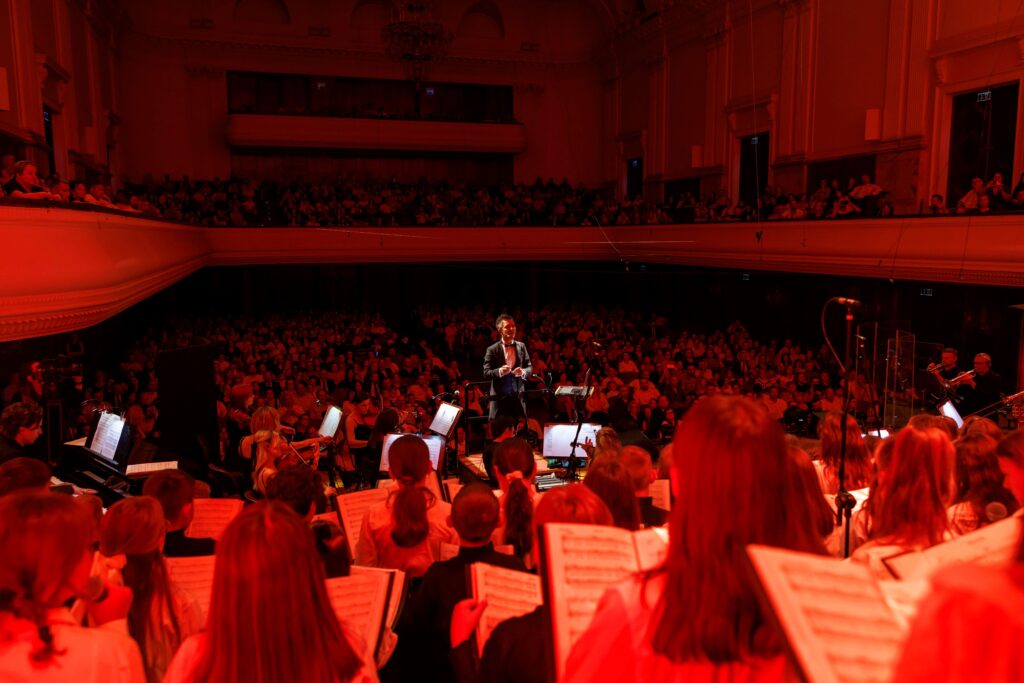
<point x="507" y="365"/>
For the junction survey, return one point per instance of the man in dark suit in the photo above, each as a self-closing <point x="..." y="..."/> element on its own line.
<point x="507" y="365"/>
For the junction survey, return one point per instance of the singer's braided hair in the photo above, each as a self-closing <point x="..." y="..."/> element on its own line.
<point x="44" y="537"/>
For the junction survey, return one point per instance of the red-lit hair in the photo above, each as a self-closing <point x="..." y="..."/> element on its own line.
<point x="270" y="619"/>
<point x="858" y="457"/>
<point x="611" y="481"/>
<point x="135" y="527"/>
<point x="515" y="457"/>
<point x="571" y="504"/>
<point x="916" y="489"/>
<point x="44" y="537"/>
<point x="409" y="461"/>
<point x="737" y="486"/>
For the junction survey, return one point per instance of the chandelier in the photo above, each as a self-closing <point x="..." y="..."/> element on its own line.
<point x="414" y="39"/>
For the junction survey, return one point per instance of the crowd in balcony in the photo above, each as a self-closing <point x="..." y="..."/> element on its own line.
<point x="366" y="201"/>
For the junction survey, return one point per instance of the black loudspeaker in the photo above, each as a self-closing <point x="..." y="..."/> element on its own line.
<point x="188" y="406"/>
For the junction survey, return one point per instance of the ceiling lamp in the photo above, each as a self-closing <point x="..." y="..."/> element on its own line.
<point x="414" y="38"/>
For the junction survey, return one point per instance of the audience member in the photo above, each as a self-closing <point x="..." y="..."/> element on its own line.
<point x="25" y="184"/>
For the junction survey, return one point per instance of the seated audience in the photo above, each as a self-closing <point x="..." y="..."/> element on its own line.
<point x="423" y="627"/>
<point x="176" y="492"/>
<point x="698" y="617"/>
<point x="610" y="480"/>
<point x="162" y="615"/>
<point x="25" y="184"/>
<point x="406" y="531"/>
<point x="270" y="618"/>
<point x="46" y="553"/>
<point x="641" y="471"/>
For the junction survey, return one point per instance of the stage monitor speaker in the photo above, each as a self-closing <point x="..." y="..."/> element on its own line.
<point x="188" y="405"/>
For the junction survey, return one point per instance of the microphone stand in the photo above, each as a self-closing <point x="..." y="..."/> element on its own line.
<point x="845" y="502"/>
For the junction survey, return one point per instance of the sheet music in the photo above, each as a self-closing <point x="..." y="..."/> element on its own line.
<point x="435" y="447"/>
<point x="195" y="576"/>
<point x="581" y="562"/>
<point x="836" y="618"/>
<point x="108" y="434"/>
<point x="558" y="439"/>
<point x="509" y="593"/>
<point x="361" y="601"/>
<point x="397" y="595"/>
<point x="212" y="516"/>
<point x="995" y="544"/>
<point x="661" y="494"/>
<point x="148" y="467"/>
<point x="651" y="547"/>
<point x="353" y="508"/>
<point x="329" y="426"/>
<point x="444" y="419"/>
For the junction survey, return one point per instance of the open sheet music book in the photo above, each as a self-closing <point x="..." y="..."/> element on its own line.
<point x="509" y="593"/>
<point x="398" y="590"/>
<point x="362" y="601"/>
<point x="995" y="544"/>
<point x="579" y="562"/>
<point x="661" y="494"/>
<point x="836" y="618"/>
<point x="212" y="516"/>
<point x="195" y="576"/>
<point x="353" y="508"/>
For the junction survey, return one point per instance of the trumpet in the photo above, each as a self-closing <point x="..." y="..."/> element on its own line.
<point x="962" y="377"/>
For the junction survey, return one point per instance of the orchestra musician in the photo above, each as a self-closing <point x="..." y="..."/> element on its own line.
<point x="947" y="384"/>
<point x="984" y="388"/>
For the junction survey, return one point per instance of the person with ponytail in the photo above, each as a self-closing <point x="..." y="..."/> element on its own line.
<point x="270" y="618"/>
<point x="697" y="617"/>
<point x="162" y="615"/>
<point x="406" y="531"/>
<point x="46" y="554"/>
<point x="515" y="469"/>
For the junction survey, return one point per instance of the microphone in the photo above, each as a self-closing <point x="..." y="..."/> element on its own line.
<point x="597" y="344"/>
<point x="445" y="393"/>
<point x="843" y="301"/>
